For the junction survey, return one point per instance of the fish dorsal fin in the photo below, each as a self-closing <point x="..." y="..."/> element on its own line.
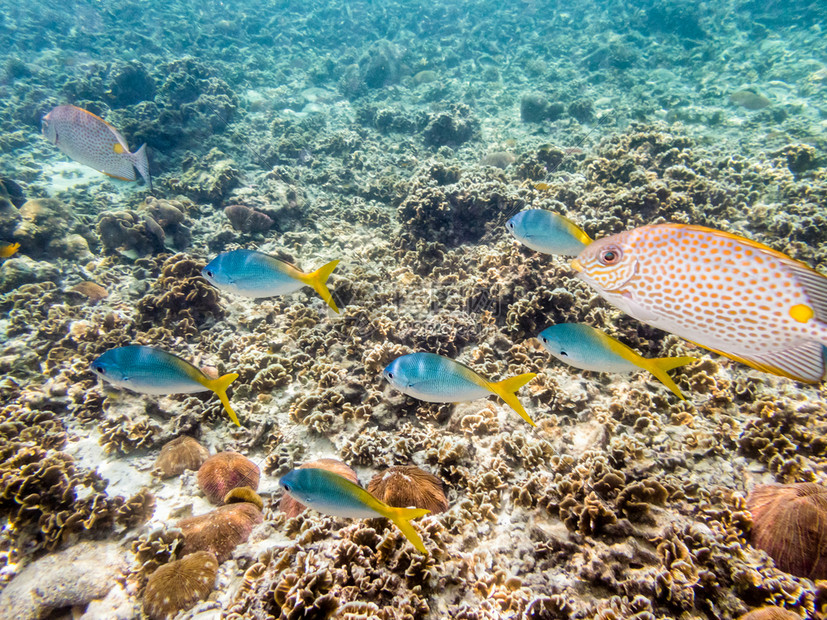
<point x="804" y="362"/>
<point x="814" y="283"/>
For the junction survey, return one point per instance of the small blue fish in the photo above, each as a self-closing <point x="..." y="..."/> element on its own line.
<point x="254" y="274"/>
<point x="587" y="348"/>
<point x="335" y="495"/>
<point x="548" y="232"/>
<point x="437" y="379"/>
<point x="151" y="371"/>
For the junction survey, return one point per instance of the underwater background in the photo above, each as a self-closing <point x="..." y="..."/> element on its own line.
<point x="398" y="138"/>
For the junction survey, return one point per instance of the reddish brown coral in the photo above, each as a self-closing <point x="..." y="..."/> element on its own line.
<point x="221" y="530"/>
<point x="293" y="508"/>
<point x="770" y="613"/>
<point x="224" y="471"/>
<point x="408" y="485"/>
<point x="180" y="454"/>
<point x="790" y="524"/>
<point x="179" y="585"/>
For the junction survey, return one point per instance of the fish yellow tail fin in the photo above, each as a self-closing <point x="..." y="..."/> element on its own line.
<point x="661" y="365"/>
<point x="318" y="280"/>
<point x="219" y="386"/>
<point x="402" y="518"/>
<point x="507" y="388"/>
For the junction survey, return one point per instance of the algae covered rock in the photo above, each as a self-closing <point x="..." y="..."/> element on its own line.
<point x="74" y="577"/>
<point x="21" y="270"/>
<point x="207" y="179"/>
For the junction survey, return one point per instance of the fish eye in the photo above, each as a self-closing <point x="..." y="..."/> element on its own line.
<point x="545" y="339"/>
<point x="99" y="369"/>
<point x="390" y="375"/>
<point x="511" y="225"/>
<point x="610" y="255"/>
<point x="210" y="274"/>
<point x="564" y="353"/>
<point x="286" y="487"/>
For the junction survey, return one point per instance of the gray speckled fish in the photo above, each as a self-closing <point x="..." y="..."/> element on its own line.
<point x="91" y="141"/>
<point x="152" y="371"/>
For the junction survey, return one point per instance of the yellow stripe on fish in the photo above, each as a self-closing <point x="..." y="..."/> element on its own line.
<point x="721" y="291"/>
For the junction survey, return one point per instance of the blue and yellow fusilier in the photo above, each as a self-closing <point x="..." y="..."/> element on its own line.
<point x="548" y="232"/>
<point x="437" y="379"/>
<point x="334" y="495"/>
<point x="254" y="274"/>
<point x="587" y="348"/>
<point x="151" y="371"/>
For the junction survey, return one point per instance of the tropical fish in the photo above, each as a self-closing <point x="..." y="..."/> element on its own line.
<point x="151" y="371"/>
<point x="437" y="379"/>
<point x="723" y="292"/>
<point x="587" y="348"/>
<point x="91" y="141"/>
<point x="335" y="495"/>
<point x="8" y="250"/>
<point x="548" y="232"/>
<point x="254" y="274"/>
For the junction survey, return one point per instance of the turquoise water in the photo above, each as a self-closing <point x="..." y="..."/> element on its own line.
<point x="399" y="138"/>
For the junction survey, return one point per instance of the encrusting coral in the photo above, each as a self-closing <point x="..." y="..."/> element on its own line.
<point x="224" y="471"/>
<point x="179" y="585"/>
<point x="790" y="524"/>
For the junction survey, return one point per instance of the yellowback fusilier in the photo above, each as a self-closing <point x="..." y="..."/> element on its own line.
<point x="547" y="232"/>
<point x="250" y="273"/>
<point x="587" y="348"/>
<point x="723" y="292"/>
<point x="437" y="379"/>
<point x="152" y="371"/>
<point x="335" y="495"/>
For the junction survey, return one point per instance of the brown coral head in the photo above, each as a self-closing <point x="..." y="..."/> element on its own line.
<point x="770" y="613"/>
<point x="244" y="494"/>
<point x="408" y="485"/>
<point x="247" y="220"/>
<point x="179" y="454"/>
<point x="789" y="522"/>
<point x="179" y="585"/>
<point x="292" y="508"/>
<point x="224" y="471"/>
<point x="221" y="530"/>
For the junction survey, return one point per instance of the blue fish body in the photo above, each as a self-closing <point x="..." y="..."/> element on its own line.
<point x="437" y="379"/>
<point x="254" y="274"/>
<point x="152" y="371"/>
<point x="586" y="348"/>
<point x="547" y="232"/>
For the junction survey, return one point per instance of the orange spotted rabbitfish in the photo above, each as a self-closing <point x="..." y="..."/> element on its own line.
<point x="587" y="348"/>
<point x="152" y="371"/>
<point x="723" y="292"/>
<point x="335" y="495"/>
<point x="437" y="379"/>
<point x="91" y="141"/>
<point x="8" y="250"/>
<point x="250" y="273"/>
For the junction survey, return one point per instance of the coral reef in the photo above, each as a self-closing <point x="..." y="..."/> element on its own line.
<point x="180" y="454"/>
<point x="409" y="485"/>
<point x="221" y="530"/>
<point x="225" y="471"/>
<point x="179" y="585"/>
<point x="789" y="523"/>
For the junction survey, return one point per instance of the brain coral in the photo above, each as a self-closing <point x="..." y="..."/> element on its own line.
<point x="224" y="471"/>
<point x="221" y="530"/>
<point x="180" y="454"/>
